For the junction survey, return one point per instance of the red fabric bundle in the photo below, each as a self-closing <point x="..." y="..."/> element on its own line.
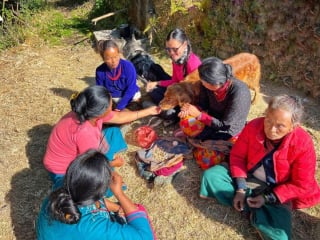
<point x="146" y="135"/>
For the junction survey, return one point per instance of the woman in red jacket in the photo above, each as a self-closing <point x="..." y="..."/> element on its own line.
<point x="272" y="170"/>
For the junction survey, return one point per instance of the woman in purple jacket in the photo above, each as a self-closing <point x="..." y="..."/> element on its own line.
<point x="117" y="75"/>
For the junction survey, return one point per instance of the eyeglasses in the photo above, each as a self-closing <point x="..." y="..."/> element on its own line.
<point x="175" y="50"/>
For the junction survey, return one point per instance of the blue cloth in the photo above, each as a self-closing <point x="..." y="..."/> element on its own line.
<point x="114" y="138"/>
<point x="125" y="87"/>
<point x="94" y="224"/>
<point x="57" y="180"/>
<point x="267" y="162"/>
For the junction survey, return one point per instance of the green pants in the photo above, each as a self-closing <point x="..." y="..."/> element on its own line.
<point x="273" y="221"/>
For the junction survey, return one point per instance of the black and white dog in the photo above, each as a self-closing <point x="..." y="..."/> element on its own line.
<point x="136" y="52"/>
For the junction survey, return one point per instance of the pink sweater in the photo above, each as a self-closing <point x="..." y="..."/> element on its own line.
<point x="177" y="70"/>
<point x="69" y="138"/>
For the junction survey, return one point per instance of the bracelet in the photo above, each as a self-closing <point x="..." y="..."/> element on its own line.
<point x="241" y="183"/>
<point x="241" y="190"/>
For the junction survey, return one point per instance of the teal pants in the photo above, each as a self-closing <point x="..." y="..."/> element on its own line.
<point x="273" y="221"/>
<point x="117" y="144"/>
<point x="116" y="141"/>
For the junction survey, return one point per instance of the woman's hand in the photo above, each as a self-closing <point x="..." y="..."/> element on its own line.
<point x="256" y="202"/>
<point x="116" y="187"/>
<point x="154" y="110"/>
<point x="116" y="183"/>
<point x="113" y="207"/>
<point x="189" y="110"/>
<point x="150" y="86"/>
<point x="238" y="200"/>
<point x="118" y="161"/>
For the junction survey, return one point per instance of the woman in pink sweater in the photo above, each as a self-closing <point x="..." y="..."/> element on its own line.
<point x="87" y="126"/>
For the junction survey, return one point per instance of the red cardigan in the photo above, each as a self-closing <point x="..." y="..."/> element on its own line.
<point x="294" y="163"/>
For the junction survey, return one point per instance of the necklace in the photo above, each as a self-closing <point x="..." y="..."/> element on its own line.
<point x="116" y="77"/>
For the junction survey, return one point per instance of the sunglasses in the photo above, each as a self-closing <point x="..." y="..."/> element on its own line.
<point x="175" y="50"/>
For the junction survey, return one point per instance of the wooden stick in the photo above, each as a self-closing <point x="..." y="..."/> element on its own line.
<point x="95" y="20"/>
<point x="2" y="14"/>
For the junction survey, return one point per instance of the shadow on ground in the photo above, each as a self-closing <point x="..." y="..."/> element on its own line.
<point x="66" y="93"/>
<point x="29" y="186"/>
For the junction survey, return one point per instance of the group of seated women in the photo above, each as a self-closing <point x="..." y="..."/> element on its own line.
<point x="271" y="167"/>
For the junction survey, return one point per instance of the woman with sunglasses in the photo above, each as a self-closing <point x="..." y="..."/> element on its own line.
<point x="271" y="171"/>
<point x="86" y="127"/>
<point x="184" y="61"/>
<point x="78" y="209"/>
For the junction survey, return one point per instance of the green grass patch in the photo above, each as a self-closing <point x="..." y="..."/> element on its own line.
<point x="53" y="26"/>
<point x="50" y="23"/>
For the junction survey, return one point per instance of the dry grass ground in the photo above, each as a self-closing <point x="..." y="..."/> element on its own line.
<point x="36" y="83"/>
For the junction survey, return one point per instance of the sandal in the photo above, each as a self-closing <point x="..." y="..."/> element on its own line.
<point x="179" y="133"/>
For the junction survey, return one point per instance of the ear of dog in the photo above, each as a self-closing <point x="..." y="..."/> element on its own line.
<point x="184" y="98"/>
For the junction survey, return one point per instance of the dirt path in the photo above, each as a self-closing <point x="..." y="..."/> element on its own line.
<point x="36" y="84"/>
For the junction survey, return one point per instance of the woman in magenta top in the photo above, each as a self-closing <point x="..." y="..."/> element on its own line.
<point x="82" y="129"/>
<point x="184" y="61"/>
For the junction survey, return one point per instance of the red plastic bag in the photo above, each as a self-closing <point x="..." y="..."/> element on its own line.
<point x="146" y="135"/>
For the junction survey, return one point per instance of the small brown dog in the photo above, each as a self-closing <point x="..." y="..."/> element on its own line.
<point x="245" y="66"/>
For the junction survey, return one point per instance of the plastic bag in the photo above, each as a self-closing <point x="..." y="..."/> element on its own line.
<point x="145" y="135"/>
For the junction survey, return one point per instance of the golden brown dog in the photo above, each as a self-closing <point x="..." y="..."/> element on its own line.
<point x="245" y="66"/>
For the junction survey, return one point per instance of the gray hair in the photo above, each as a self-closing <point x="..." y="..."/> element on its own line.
<point x="292" y="104"/>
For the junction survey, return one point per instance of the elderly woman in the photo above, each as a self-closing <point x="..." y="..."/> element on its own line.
<point x="77" y="210"/>
<point x="272" y="170"/>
